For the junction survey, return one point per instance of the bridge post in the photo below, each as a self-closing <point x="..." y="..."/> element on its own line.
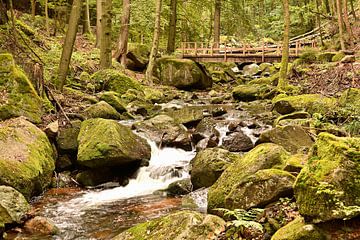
<point x="263" y="52"/>
<point x="225" y="55"/>
<point x="195" y="49"/>
<point x="212" y="49"/>
<point x="297" y="48"/>
<point x="183" y="48"/>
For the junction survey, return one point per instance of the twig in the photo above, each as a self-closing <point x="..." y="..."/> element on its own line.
<point x="57" y="103"/>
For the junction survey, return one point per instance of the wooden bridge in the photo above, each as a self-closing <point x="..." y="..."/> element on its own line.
<point x="225" y="52"/>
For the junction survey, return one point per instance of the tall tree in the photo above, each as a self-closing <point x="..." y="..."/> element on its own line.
<point x="155" y="44"/>
<point x="217" y="16"/>
<point x="47" y="17"/>
<point x="86" y="20"/>
<point x="347" y="24"/>
<point x="172" y="27"/>
<point x="69" y="42"/>
<point x="98" y="22"/>
<point x="121" y="50"/>
<point x="33" y="9"/>
<point x="3" y="15"/>
<point x="105" y="36"/>
<point x="340" y="24"/>
<point x="285" y="51"/>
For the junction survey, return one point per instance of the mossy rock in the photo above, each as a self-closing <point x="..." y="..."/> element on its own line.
<point x="259" y="189"/>
<point x="247" y="93"/>
<point x="311" y="103"/>
<point x="182" y="74"/>
<point x="298" y="230"/>
<point x="264" y="156"/>
<point x="292" y="137"/>
<point x="104" y="143"/>
<point x="26" y="157"/>
<point x="294" y="115"/>
<point x="19" y="97"/>
<point x="181" y="187"/>
<point x="94" y="177"/>
<point x="309" y="55"/>
<point x="67" y="137"/>
<point x="350" y="101"/>
<point x="325" y="57"/>
<point x="209" y="164"/>
<point x="187" y="225"/>
<point x="154" y="95"/>
<point x="137" y="56"/>
<point x="13" y="206"/>
<point x="101" y="110"/>
<point x="338" y="57"/>
<point x="113" y="80"/>
<point x="186" y="115"/>
<point x="330" y="180"/>
<point x="114" y="100"/>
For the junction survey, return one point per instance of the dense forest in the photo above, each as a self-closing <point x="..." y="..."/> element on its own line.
<point x="180" y="119"/>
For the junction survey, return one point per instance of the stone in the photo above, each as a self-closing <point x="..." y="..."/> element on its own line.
<point x="330" y="180"/>
<point x="325" y="57"/>
<point x="187" y="225"/>
<point x="165" y="132"/>
<point x="292" y="137"/>
<point x="67" y="137"/>
<point x="18" y="95"/>
<point x="94" y="177"/>
<point x="259" y="189"/>
<point x="154" y="95"/>
<point x="52" y="130"/>
<point x="180" y="187"/>
<point x="104" y="143"/>
<point x="251" y="70"/>
<point x="350" y="101"/>
<point x="114" y="100"/>
<point x="182" y="73"/>
<point x="248" y="93"/>
<point x="263" y="156"/>
<point x="208" y="165"/>
<point x="13" y="206"/>
<point x="101" y="110"/>
<point x="298" y="230"/>
<point x="187" y="115"/>
<point x="41" y="226"/>
<point x="237" y="142"/>
<point x="137" y="56"/>
<point x="294" y="115"/>
<point x="63" y="162"/>
<point x="26" y="157"/>
<point x="206" y="129"/>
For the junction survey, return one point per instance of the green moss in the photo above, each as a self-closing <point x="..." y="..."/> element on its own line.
<point x="102" y="110"/>
<point x="114" y="100"/>
<point x="308" y="55"/>
<point x="338" y="57"/>
<point x="153" y="95"/>
<point x="325" y="57"/>
<point x="253" y="92"/>
<point x="272" y="80"/>
<point x="7" y="63"/>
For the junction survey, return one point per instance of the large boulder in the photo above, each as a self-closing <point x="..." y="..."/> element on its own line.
<point x="350" y="101"/>
<point x="186" y="225"/>
<point x="265" y="156"/>
<point x="13" y="206"/>
<point x="114" y="100"/>
<point x="26" y="157"/>
<point x="182" y="73"/>
<point x="311" y="103"/>
<point x="137" y="56"/>
<point x="209" y="164"/>
<point x="237" y="142"/>
<point x="189" y="115"/>
<point x="165" y="131"/>
<point x="252" y="92"/>
<point x="102" y="110"/>
<point x="292" y="137"/>
<point x="18" y="96"/>
<point x="66" y="138"/>
<point x="328" y="187"/>
<point x="251" y="70"/>
<point x="104" y="142"/>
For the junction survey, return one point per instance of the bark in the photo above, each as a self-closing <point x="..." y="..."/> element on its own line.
<point x="69" y="42"/>
<point x="318" y="20"/>
<point x="47" y="17"/>
<point x="327" y="6"/>
<point x="285" y="51"/>
<point x="86" y="21"/>
<point x="172" y="27"/>
<point x="33" y="9"/>
<point x="155" y="44"/>
<point x="217" y="15"/>
<point x="98" y="23"/>
<point x="353" y="12"/>
<point x="347" y="24"/>
<point x="340" y="25"/>
<point x="3" y="16"/>
<point x="105" y="36"/>
<point x="121" y="50"/>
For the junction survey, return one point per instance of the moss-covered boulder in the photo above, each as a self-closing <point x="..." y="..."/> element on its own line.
<point x="311" y="103"/>
<point x="114" y="100"/>
<point x="292" y="137"/>
<point x="338" y="56"/>
<point x="263" y="187"/>
<point x="104" y="142"/>
<point x="264" y="156"/>
<point x="94" y="177"/>
<point x="113" y="80"/>
<point x="180" y="187"/>
<point x="154" y="95"/>
<point x="247" y="93"/>
<point x="350" y="101"/>
<point x="186" y="225"/>
<point x="18" y="96"/>
<point x="328" y="187"/>
<point x="188" y="115"/>
<point x="13" y="206"/>
<point x="165" y="131"/>
<point x="137" y="56"/>
<point x="209" y="164"/>
<point x="102" y="110"/>
<point x="66" y="139"/>
<point x="182" y="73"/>
<point x="298" y="230"/>
<point x="26" y="157"/>
<point x="325" y="57"/>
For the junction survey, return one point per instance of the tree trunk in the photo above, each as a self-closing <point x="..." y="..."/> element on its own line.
<point x="3" y="15"/>
<point x="217" y="15"/>
<point x="86" y="21"/>
<point x="340" y="24"/>
<point x="98" y="23"/>
<point x="353" y="10"/>
<point x="285" y="51"/>
<point x="33" y="9"/>
<point x="155" y="44"/>
<point x="105" y="36"/>
<point x="347" y="24"/>
<point x="318" y="20"/>
<point x="69" y="42"/>
<point x="47" y="17"/>
<point x="121" y="51"/>
<point x="172" y="27"/>
<point x="327" y="6"/>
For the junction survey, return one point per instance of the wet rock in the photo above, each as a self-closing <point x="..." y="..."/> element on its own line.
<point x="63" y="180"/>
<point x="105" y="142"/>
<point x="178" y="225"/>
<point x="330" y="180"/>
<point x="67" y="137"/>
<point x="13" y="206"/>
<point x="219" y="111"/>
<point x="114" y="100"/>
<point x="205" y="129"/>
<point x="264" y="156"/>
<point x="208" y="165"/>
<point x="101" y="110"/>
<point x="165" y="132"/>
<point x="41" y="225"/>
<point x="180" y="187"/>
<point x="189" y="116"/>
<point x="182" y="74"/>
<point x="251" y="70"/>
<point x="298" y="230"/>
<point x="292" y="137"/>
<point x="259" y="189"/>
<point x="237" y="142"/>
<point x="26" y="157"/>
<point x="63" y="162"/>
<point x="94" y="177"/>
<point x="247" y="93"/>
